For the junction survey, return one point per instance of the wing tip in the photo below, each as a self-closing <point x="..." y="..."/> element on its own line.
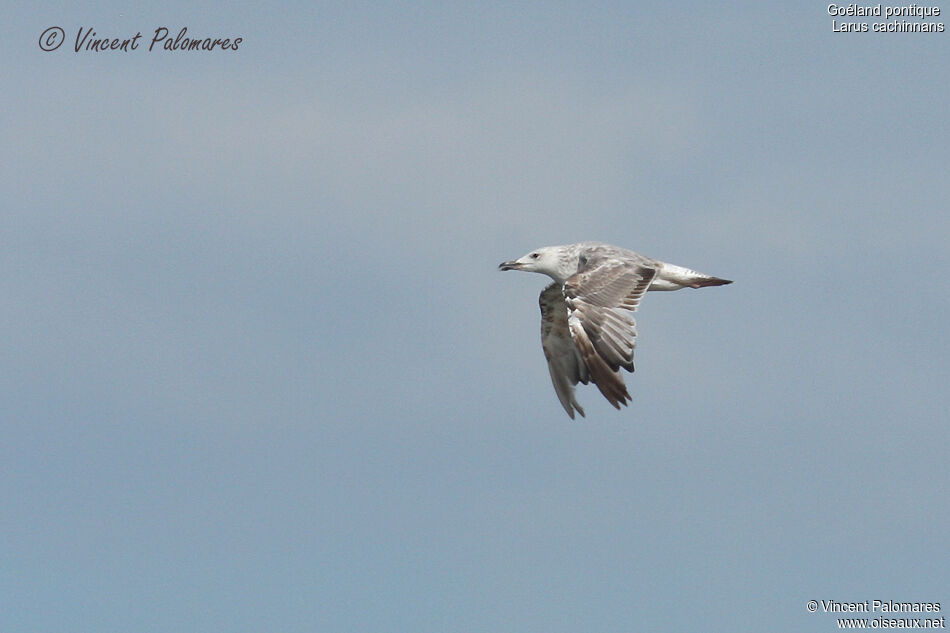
<point x="571" y="407"/>
<point x="608" y="380"/>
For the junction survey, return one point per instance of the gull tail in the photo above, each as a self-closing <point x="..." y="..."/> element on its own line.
<point x="672" y="277"/>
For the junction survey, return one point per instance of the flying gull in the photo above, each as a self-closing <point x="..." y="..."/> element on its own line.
<point x="587" y="331"/>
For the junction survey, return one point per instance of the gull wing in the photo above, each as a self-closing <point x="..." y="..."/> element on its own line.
<point x="599" y="299"/>
<point x="564" y="362"/>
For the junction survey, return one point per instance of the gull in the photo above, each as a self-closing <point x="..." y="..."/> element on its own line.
<point x="587" y="331"/>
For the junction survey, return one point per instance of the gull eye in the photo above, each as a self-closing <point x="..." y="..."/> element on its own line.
<point x="535" y="255"/>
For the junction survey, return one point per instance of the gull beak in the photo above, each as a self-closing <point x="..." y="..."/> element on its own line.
<point x="512" y="265"/>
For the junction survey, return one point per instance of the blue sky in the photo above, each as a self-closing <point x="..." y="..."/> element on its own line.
<point x="261" y="372"/>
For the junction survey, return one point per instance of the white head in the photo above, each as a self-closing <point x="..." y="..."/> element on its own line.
<point x="547" y="260"/>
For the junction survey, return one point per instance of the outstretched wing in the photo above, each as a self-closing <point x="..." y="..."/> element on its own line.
<point x="564" y="363"/>
<point x="599" y="299"/>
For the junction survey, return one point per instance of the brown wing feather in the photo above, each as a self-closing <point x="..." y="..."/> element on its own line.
<point x="609" y="381"/>
<point x="599" y="299"/>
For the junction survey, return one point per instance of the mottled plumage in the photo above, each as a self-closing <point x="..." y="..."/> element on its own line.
<point x="587" y="331"/>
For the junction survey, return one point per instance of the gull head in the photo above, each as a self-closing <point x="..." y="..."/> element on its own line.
<point x="546" y="260"/>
